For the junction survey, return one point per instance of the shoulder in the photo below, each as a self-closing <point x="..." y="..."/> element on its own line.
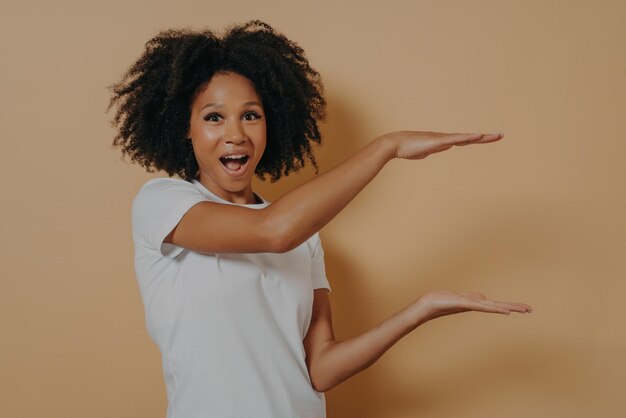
<point x="163" y="186"/>
<point x="164" y="194"/>
<point x="166" y="183"/>
<point x="158" y="206"/>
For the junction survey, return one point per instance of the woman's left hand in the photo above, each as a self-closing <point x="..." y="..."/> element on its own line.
<point x="440" y="303"/>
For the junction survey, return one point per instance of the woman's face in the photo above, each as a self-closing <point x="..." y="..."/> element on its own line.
<point x="228" y="119"/>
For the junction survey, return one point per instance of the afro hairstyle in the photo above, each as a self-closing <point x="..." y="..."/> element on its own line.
<point x="154" y="97"/>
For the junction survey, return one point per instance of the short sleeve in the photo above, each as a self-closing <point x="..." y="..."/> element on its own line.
<point x="318" y="267"/>
<point x="157" y="208"/>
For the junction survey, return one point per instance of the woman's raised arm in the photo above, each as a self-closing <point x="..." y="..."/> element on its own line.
<point x="306" y="209"/>
<point x="290" y="220"/>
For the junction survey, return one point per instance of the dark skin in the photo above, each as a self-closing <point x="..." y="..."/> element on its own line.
<point x="331" y="362"/>
<point x="237" y="122"/>
<point x="228" y="115"/>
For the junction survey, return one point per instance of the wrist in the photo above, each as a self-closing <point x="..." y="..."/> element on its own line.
<point x="418" y="313"/>
<point x="386" y="146"/>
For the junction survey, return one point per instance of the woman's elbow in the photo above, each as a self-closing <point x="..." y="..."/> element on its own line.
<point x="320" y="387"/>
<point x="320" y="384"/>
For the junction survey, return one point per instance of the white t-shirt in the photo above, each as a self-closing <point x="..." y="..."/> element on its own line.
<point x="229" y="326"/>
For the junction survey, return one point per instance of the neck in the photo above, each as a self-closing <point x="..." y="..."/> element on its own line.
<point x="244" y="196"/>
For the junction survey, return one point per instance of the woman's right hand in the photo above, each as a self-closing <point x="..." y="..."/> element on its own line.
<point x="413" y="145"/>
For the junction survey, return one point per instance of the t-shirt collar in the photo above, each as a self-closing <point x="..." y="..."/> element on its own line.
<point x="213" y="196"/>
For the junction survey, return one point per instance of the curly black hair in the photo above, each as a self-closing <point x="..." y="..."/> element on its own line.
<point x="154" y="97"/>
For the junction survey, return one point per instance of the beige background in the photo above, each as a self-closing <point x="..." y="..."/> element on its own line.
<point x="537" y="217"/>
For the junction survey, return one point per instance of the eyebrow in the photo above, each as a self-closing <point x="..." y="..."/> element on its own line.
<point x="221" y="105"/>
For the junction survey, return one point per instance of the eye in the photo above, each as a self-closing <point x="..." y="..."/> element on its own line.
<point x="254" y="115"/>
<point x="211" y="117"/>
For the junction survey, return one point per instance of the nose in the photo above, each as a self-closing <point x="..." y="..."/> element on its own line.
<point x="234" y="133"/>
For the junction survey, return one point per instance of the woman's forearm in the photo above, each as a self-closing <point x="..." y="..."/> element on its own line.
<point x="306" y="209"/>
<point x="340" y="360"/>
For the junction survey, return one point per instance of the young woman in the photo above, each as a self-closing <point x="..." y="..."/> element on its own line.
<point x="234" y="286"/>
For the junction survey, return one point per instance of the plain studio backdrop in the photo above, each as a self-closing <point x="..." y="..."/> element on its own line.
<point x="537" y="217"/>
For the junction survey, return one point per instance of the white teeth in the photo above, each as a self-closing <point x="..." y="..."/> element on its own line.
<point x="234" y="156"/>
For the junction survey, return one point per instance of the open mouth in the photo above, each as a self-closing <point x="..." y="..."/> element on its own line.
<point x="235" y="166"/>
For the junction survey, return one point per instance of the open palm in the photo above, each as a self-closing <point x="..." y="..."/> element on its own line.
<point x="445" y="302"/>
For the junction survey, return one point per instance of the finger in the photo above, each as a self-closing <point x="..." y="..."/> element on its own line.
<point x="486" y="307"/>
<point x="458" y="139"/>
<point x="486" y="138"/>
<point x="473" y="295"/>
<point x="490" y="138"/>
<point x="517" y="307"/>
<point x="523" y="306"/>
<point x="516" y="304"/>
